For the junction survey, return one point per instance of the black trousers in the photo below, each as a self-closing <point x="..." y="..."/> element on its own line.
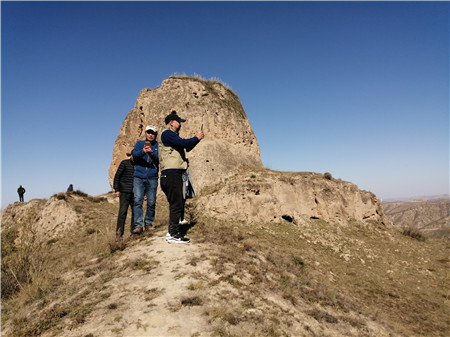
<point x="172" y="186"/>
<point x="125" y="200"/>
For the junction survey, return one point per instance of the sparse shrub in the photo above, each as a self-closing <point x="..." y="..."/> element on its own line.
<point x="78" y="192"/>
<point x="231" y="318"/>
<point x="414" y="233"/>
<point x="89" y="272"/>
<point x="116" y="244"/>
<point x="99" y="199"/>
<point x="298" y="261"/>
<point x="52" y="241"/>
<point x="78" y="314"/>
<point x="322" y="316"/>
<point x="327" y="175"/>
<point x="196" y="286"/>
<point x="60" y="196"/>
<point x="191" y="301"/>
<point x="112" y="306"/>
<point x="25" y="266"/>
<point x="91" y="231"/>
<point x="141" y="263"/>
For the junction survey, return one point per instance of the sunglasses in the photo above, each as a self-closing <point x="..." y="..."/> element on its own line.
<point x="150" y="131"/>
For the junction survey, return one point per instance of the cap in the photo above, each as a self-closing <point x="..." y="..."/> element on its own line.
<point x="173" y="117"/>
<point x="152" y="128"/>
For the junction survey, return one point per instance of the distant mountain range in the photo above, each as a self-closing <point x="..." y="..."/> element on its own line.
<point x="440" y="197"/>
<point x="430" y="215"/>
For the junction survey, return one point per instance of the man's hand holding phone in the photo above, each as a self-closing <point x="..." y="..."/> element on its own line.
<point x="147" y="148"/>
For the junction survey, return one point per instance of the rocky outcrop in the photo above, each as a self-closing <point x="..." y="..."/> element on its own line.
<point x="262" y="195"/>
<point x="229" y="139"/>
<point x="54" y="217"/>
<point x="226" y="166"/>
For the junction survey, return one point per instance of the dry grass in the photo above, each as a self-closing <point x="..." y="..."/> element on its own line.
<point x="414" y="233"/>
<point x="348" y="275"/>
<point x="31" y="271"/>
<point x="265" y="279"/>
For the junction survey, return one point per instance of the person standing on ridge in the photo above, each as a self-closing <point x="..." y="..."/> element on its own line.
<point x="21" y="191"/>
<point x="123" y="187"/>
<point x="70" y="188"/>
<point x="174" y="164"/>
<point x="145" y="181"/>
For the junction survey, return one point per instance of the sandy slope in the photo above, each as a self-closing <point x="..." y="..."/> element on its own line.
<point x="148" y="303"/>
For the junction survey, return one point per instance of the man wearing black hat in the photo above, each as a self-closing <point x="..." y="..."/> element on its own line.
<point x="173" y="163"/>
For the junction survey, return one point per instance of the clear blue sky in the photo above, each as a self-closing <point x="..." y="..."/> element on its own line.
<point x="357" y="89"/>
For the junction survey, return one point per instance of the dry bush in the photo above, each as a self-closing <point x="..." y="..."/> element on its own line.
<point x="26" y="265"/>
<point x="327" y="175"/>
<point x="414" y="233"/>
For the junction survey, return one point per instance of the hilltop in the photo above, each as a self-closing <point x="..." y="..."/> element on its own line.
<point x="235" y="279"/>
<point x="272" y="253"/>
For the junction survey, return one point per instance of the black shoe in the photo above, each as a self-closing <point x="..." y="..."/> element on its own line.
<point x="178" y="239"/>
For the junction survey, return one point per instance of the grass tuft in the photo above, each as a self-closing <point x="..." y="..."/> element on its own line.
<point x="413" y="233"/>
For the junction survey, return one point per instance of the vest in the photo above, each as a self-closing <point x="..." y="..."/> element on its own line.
<point x="171" y="158"/>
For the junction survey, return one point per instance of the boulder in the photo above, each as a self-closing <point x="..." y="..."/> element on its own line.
<point x="229" y="139"/>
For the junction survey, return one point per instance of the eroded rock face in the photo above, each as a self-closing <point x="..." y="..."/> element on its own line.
<point x="226" y="166"/>
<point x="229" y="139"/>
<point x="263" y="195"/>
<point x="45" y="218"/>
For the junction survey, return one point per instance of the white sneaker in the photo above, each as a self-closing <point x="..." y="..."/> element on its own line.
<point x="183" y="222"/>
<point x="178" y="240"/>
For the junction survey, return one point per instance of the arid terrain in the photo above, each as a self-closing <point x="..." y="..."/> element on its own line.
<point x="234" y="279"/>
<point x="430" y="217"/>
<point x="271" y="254"/>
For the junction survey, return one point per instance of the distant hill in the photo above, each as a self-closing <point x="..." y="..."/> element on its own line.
<point x="431" y="216"/>
<point x="440" y="197"/>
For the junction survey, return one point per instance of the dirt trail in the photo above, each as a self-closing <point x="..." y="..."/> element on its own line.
<point x="148" y="301"/>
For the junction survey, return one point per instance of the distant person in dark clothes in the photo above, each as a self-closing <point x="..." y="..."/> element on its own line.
<point x="123" y="187"/>
<point x="70" y="188"/>
<point x="145" y="182"/>
<point x="21" y="191"/>
<point x="173" y="163"/>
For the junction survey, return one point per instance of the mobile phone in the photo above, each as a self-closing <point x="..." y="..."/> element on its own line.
<point x="147" y="144"/>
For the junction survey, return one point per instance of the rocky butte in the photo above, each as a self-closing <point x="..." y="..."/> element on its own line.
<point x="226" y="167"/>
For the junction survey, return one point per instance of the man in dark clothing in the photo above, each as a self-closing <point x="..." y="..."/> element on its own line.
<point x="173" y="163"/>
<point x="123" y="187"/>
<point x="21" y="192"/>
<point x="145" y="181"/>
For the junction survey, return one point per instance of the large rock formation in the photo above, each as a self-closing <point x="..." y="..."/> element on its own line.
<point x="226" y="167"/>
<point x="229" y="139"/>
<point x="262" y="195"/>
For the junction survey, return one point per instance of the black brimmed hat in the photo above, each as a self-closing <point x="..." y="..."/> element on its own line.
<point x="173" y="117"/>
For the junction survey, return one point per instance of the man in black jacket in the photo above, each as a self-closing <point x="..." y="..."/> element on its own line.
<point x="123" y="187"/>
<point x="21" y="192"/>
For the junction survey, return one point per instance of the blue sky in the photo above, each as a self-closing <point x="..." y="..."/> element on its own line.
<point x="357" y="89"/>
